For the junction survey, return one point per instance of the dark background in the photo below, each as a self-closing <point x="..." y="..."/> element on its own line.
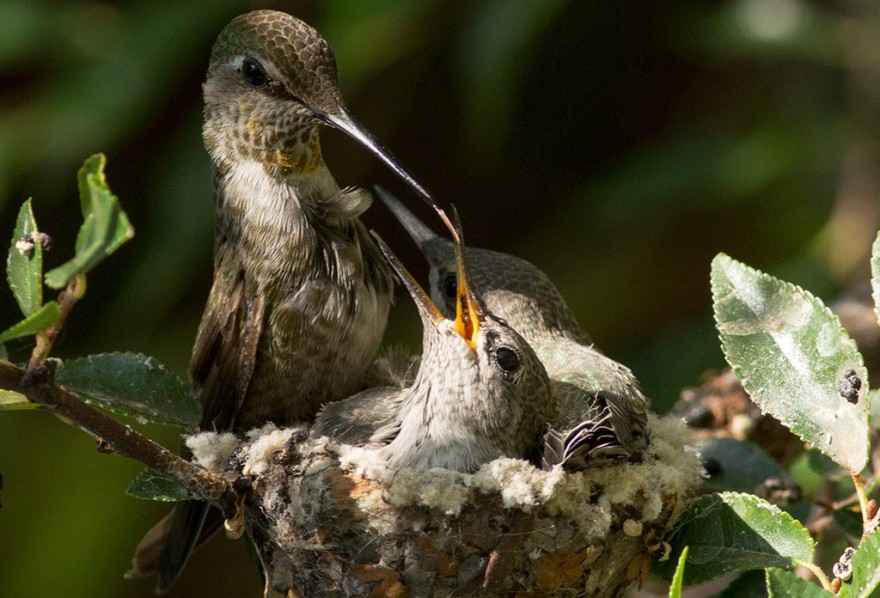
<point x="618" y="146"/>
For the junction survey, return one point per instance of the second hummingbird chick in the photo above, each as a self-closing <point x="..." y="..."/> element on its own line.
<point x="601" y="410"/>
<point x="480" y="392"/>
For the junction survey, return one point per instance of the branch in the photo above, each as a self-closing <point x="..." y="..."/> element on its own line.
<point x="39" y="388"/>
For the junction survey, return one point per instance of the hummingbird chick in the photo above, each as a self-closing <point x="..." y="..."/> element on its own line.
<point x="301" y="293"/>
<point x="601" y="410"/>
<point x="480" y="392"/>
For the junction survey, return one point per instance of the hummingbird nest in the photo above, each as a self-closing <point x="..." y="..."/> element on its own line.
<point x="330" y="519"/>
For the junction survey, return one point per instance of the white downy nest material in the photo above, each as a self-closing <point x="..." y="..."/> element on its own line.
<point x="343" y="524"/>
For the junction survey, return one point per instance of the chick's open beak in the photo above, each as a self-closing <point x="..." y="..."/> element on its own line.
<point x="423" y="302"/>
<point x="468" y="311"/>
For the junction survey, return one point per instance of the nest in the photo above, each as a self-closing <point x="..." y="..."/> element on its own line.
<point x="331" y="520"/>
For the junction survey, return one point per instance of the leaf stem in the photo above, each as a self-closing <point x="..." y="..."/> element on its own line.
<point x="74" y="291"/>
<point x="817" y="573"/>
<point x="863" y="498"/>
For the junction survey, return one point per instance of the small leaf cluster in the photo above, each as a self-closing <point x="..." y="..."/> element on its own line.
<point x="798" y="363"/>
<point x="127" y="384"/>
<point x="105" y="227"/>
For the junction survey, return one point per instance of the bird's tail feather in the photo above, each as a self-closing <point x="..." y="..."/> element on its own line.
<point x="167" y="546"/>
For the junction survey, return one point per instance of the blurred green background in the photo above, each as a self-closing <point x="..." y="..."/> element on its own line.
<point x="618" y="146"/>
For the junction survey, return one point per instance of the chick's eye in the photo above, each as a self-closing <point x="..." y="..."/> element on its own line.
<point x="507" y="359"/>
<point x="253" y="73"/>
<point x="450" y="286"/>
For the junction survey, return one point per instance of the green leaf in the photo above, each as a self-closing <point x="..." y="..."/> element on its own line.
<point x="153" y="485"/>
<point x="678" y="577"/>
<point x="12" y="401"/>
<point x="36" y="322"/>
<point x="104" y="229"/>
<point x="749" y="584"/>
<point x="791" y="354"/>
<point x="738" y="465"/>
<point x="4" y="355"/>
<point x="785" y="583"/>
<point x="24" y="266"/>
<point x="813" y="470"/>
<point x="823" y="465"/>
<point x="874" y="407"/>
<point x="875" y="274"/>
<point x="866" y="569"/>
<point x="134" y="385"/>
<point x="849" y="522"/>
<point x="730" y="532"/>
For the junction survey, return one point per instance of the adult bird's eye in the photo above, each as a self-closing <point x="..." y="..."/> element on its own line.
<point x="507" y="359"/>
<point x="253" y="72"/>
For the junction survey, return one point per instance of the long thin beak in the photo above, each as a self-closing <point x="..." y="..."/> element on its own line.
<point x="417" y="229"/>
<point x="423" y="302"/>
<point x="355" y="130"/>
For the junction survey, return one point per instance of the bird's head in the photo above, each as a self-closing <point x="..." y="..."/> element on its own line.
<point x="271" y="81"/>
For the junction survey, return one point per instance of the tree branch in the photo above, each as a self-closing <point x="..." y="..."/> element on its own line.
<point x="39" y="388"/>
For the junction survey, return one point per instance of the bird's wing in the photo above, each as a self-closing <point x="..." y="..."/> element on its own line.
<point x="629" y="419"/>
<point x="357" y="419"/>
<point x="590" y="440"/>
<point x="554" y="447"/>
<point x="387" y="431"/>
<point x="225" y="351"/>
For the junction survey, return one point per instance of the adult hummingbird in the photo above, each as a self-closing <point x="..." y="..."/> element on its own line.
<point x="480" y="392"/>
<point x="601" y="412"/>
<point x="301" y="293"/>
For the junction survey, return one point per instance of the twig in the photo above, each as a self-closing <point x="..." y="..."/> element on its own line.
<point x="74" y="291"/>
<point x="38" y="388"/>
<point x="501" y="563"/>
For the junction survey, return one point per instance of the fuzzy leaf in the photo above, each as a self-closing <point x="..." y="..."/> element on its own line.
<point x="874" y="408"/>
<point x="784" y="583"/>
<point x="730" y="532"/>
<point x="153" y="485"/>
<point x="38" y="321"/>
<point x="24" y="266"/>
<point x="678" y="577"/>
<point x="794" y="358"/>
<point x="105" y="226"/>
<point x="134" y="385"/>
<point x="865" y="580"/>
<point x="12" y="401"/>
<point x="875" y="274"/>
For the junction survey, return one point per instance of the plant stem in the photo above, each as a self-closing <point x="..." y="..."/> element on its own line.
<point x="74" y="291"/>
<point x="817" y="573"/>
<point x="863" y="498"/>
